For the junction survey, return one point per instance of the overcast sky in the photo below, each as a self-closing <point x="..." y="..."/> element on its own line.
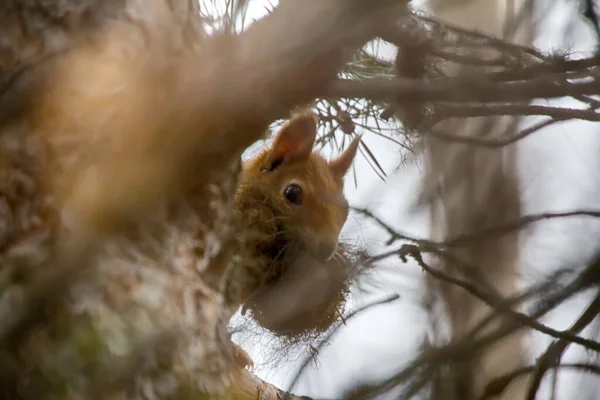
<point x="560" y="170"/>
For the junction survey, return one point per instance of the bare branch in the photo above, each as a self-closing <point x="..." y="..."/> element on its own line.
<point x="459" y="90"/>
<point x="498" y="385"/>
<point x="482" y="110"/>
<point x="483" y="234"/>
<point x="494" y="301"/>
<point x="551" y="358"/>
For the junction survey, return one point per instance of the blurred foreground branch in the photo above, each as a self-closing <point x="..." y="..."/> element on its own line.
<point x="160" y="127"/>
<point x="169" y="112"/>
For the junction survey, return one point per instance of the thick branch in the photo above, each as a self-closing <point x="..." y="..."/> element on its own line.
<point x="209" y="107"/>
<point x="498" y="385"/>
<point x="477" y="89"/>
<point x="483" y="110"/>
<point x="553" y="354"/>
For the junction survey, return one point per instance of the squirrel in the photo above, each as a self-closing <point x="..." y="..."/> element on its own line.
<point x="291" y="205"/>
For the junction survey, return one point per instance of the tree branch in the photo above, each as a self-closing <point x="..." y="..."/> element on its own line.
<point x="551" y="358"/>
<point x="483" y="110"/>
<point x="498" y="385"/>
<point x="483" y="234"/>
<point x="215" y="103"/>
<point x="495" y="302"/>
<point x="459" y="90"/>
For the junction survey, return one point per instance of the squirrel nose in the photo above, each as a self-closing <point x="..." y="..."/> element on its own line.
<point x="326" y="250"/>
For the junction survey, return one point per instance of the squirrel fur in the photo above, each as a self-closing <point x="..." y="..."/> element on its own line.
<point x="292" y="208"/>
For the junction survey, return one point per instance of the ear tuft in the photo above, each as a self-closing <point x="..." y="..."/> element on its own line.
<point x="294" y="141"/>
<point x="342" y="164"/>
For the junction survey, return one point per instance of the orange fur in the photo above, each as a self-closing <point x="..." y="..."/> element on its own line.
<point x="325" y="209"/>
<point x="278" y="233"/>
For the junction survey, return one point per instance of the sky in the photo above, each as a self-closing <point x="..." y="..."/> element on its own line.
<point x="560" y="170"/>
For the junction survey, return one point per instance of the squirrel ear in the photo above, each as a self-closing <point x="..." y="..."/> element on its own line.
<point x="294" y="141"/>
<point x="342" y="164"/>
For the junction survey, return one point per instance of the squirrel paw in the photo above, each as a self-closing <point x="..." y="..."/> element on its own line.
<point x="242" y="358"/>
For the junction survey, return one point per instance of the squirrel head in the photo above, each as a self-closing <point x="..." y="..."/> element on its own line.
<point x="295" y="194"/>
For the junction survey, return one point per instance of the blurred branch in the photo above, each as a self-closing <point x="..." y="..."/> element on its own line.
<point x="205" y="107"/>
<point x="482" y="110"/>
<point x="419" y="371"/>
<point x="422" y="368"/>
<point x="591" y="14"/>
<point x="492" y="142"/>
<point x="484" y="234"/>
<point x="249" y="386"/>
<point x="46" y="290"/>
<point x="461" y="90"/>
<point x="493" y="301"/>
<point x="118" y="376"/>
<point x="552" y="355"/>
<point x="498" y="385"/>
<point x="516" y="74"/>
<point x="227" y="106"/>
<point x="222" y="99"/>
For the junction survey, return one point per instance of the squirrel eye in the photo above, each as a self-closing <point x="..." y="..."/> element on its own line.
<point x="293" y="193"/>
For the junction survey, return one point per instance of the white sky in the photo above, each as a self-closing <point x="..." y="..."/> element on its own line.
<point x="560" y="171"/>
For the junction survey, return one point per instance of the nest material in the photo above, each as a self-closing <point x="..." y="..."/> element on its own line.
<point x="308" y="296"/>
<point x="286" y="290"/>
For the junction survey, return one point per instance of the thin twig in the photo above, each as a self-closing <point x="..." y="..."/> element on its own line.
<point x="483" y="234"/>
<point x="483" y="110"/>
<point x="492" y="142"/>
<point x="472" y="342"/>
<point x="551" y="358"/>
<point x="495" y="302"/>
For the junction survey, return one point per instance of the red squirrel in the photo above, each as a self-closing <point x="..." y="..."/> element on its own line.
<point x="291" y="203"/>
